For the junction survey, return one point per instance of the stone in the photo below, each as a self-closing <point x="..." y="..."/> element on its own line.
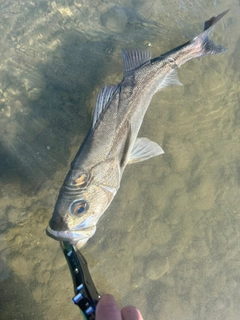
<point x="156" y="268"/>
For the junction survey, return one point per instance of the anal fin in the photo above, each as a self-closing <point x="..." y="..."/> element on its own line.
<point x="170" y="80"/>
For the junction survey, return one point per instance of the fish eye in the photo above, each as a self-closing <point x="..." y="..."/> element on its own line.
<point x="78" y="207"/>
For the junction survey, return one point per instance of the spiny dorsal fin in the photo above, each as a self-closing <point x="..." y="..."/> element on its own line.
<point x="134" y="58"/>
<point x="102" y="100"/>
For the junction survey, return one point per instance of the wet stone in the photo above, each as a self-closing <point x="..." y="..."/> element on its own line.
<point x="160" y="233"/>
<point x="14" y="215"/>
<point x="205" y="194"/>
<point x="137" y="280"/>
<point x="115" y="20"/>
<point x="156" y="268"/>
<point x="37" y="294"/>
<point x="152" y="12"/>
<point x="34" y="94"/>
<point x="43" y="277"/>
<point x="182" y="159"/>
<point x="20" y="266"/>
<point x="18" y="240"/>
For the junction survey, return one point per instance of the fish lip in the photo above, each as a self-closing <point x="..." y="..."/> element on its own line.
<point x="73" y="236"/>
<point x="58" y="235"/>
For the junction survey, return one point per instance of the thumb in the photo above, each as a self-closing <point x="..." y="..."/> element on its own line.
<point x="107" y="309"/>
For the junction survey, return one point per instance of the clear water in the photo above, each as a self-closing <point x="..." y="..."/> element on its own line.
<point x="169" y="243"/>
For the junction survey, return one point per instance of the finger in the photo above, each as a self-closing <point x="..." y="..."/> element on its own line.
<point x="107" y="308"/>
<point x="131" y="313"/>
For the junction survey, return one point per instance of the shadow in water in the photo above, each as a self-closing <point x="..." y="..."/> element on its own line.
<point x="45" y="129"/>
<point x="18" y="302"/>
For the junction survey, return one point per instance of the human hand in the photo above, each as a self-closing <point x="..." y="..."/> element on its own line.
<point x="107" y="309"/>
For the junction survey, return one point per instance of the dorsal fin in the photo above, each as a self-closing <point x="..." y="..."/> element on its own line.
<point x="134" y="58"/>
<point x="103" y="98"/>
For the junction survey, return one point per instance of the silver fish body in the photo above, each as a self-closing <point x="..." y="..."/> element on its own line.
<point x="112" y="141"/>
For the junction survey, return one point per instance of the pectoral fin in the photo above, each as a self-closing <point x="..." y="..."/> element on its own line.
<point x="103" y="99"/>
<point x="144" y="149"/>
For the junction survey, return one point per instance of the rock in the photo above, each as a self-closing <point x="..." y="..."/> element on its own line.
<point x="156" y="268"/>
<point x="115" y="20"/>
<point x="160" y="233"/>
<point x="20" y="266"/>
<point x="14" y="215"/>
<point x="34" y="94"/>
<point x="205" y="194"/>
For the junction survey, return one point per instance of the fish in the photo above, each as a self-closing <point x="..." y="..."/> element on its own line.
<point x="112" y="141"/>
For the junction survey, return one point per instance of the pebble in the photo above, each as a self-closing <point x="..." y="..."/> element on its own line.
<point x="14" y="215"/>
<point x="34" y="94"/>
<point x="137" y="280"/>
<point x="160" y="233"/>
<point x="37" y="294"/>
<point x="43" y="277"/>
<point x="115" y="20"/>
<point x="205" y="194"/>
<point x="20" y="266"/>
<point x="18" y="240"/>
<point x="156" y="268"/>
<point x="182" y="158"/>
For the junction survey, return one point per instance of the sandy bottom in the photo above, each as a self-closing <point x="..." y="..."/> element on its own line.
<point x="169" y="243"/>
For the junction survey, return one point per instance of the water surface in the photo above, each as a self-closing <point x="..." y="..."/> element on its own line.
<point x="169" y="243"/>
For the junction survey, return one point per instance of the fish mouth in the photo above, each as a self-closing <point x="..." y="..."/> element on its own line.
<point x="75" y="237"/>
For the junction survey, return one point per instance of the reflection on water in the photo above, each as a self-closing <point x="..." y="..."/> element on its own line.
<point x="174" y="252"/>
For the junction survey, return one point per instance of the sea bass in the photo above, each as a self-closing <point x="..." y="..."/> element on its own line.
<point x="96" y="171"/>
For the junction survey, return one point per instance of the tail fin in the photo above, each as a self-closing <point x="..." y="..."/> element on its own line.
<point x="208" y="46"/>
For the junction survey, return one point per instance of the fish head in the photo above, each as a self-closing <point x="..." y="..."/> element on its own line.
<point x="82" y="200"/>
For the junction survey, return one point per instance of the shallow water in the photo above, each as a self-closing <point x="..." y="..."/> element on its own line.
<point x="169" y="243"/>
